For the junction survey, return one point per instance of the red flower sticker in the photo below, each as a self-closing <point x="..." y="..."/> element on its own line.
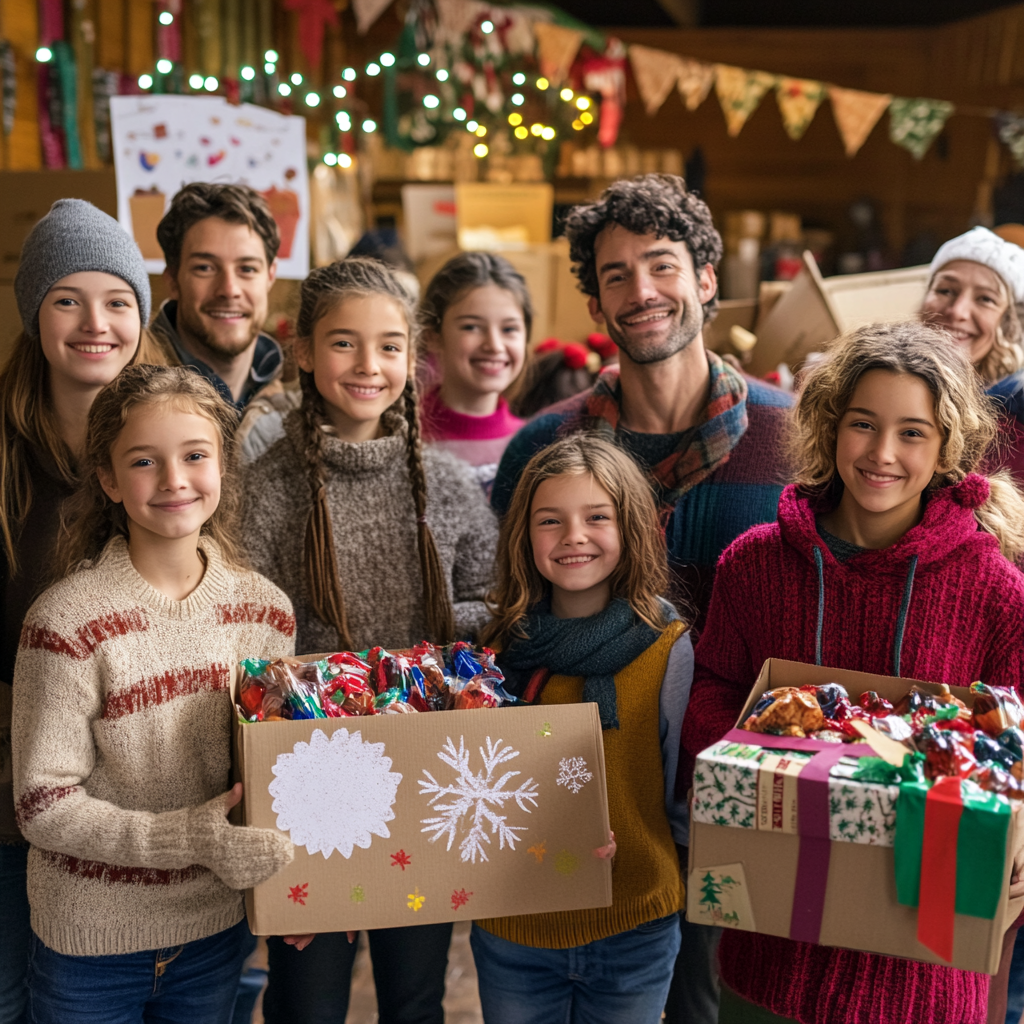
<point x="460" y="898"/>
<point x="400" y="860"/>
<point x="298" y="893"/>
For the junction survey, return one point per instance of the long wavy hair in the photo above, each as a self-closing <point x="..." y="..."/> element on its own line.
<point x="324" y="289"/>
<point x="641" y="577"/>
<point x="89" y="518"/>
<point x="966" y="416"/>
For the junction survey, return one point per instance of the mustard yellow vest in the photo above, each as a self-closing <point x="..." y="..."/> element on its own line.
<point x="646" y="881"/>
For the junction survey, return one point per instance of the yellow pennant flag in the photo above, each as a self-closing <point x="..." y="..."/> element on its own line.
<point x="557" y="47"/>
<point x="695" y="81"/>
<point x="798" y="100"/>
<point x="739" y="92"/>
<point x="856" y="113"/>
<point x="656" y="73"/>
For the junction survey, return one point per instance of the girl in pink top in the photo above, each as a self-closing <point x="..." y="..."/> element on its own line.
<point x="475" y="318"/>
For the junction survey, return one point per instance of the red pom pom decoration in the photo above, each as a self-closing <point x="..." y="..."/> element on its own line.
<point x="548" y="345"/>
<point x="575" y="356"/>
<point x="602" y="344"/>
<point x="972" y="491"/>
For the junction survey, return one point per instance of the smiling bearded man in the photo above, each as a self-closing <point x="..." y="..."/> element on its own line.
<point x="220" y="244"/>
<point x="711" y="440"/>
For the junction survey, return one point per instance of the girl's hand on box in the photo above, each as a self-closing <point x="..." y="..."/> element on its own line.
<point x="299" y="941"/>
<point x="1016" y="883"/>
<point x="607" y="852"/>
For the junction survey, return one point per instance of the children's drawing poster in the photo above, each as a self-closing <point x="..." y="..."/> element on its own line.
<point x="164" y="142"/>
<point x="415" y="819"/>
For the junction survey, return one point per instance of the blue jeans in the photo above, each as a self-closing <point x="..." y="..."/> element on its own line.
<point x="1015" y="990"/>
<point x="623" y="979"/>
<point x="194" y="983"/>
<point x="14" y="933"/>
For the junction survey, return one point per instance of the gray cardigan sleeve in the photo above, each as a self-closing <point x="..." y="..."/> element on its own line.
<point x="675" y="695"/>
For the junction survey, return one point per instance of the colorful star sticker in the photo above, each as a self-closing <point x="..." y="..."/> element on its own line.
<point x="460" y="898"/>
<point x="415" y="900"/>
<point x="566" y="863"/>
<point x="538" y="851"/>
<point x="358" y="894"/>
<point x="298" y="893"/>
<point x="545" y="729"/>
<point x="400" y="860"/>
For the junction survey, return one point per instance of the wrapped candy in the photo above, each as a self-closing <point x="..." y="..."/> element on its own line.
<point x="874" y="705"/>
<point x="793" y="712"/>
<point x="285" y="688"/>
<point x="992" y="777"/>
<point x="947" y="752"/>
<point x="833" y="700"/>
<point x="992" y="751"/>
<point x="996" y="708"/>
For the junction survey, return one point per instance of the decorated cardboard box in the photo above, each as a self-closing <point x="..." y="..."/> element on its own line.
<point x="784" y="841"/>
<point x="421" y="818"/>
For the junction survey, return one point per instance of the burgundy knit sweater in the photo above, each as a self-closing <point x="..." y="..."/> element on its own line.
<point x="964" y="621"/>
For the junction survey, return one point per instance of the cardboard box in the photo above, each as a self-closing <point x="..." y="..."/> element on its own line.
<point x="747" y="877"/>
<point x="428" y="212"/>
<point x="857" y="299"/>
<point x="503" y="216"/>
<point x="382" y="812"/>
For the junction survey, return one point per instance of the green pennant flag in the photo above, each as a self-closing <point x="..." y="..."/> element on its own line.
<point x="914" y="123"/>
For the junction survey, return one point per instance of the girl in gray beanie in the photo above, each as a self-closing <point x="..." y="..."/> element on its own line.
<point x="83" y="295"/>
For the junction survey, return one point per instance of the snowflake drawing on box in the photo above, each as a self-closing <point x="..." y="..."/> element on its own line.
<point x="354" y="786"/>
<point x="573" y="774"/>
<point x="481" y="796"/>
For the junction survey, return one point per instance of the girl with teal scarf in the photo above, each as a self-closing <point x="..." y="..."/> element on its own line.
<point x="578" y="617"/>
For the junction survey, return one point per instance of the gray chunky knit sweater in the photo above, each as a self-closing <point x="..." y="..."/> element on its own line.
<point x="374" y="524"/>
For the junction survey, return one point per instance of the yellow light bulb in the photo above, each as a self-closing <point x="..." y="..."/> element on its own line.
<point x="548" y="134"/>
<point x="582" y="102"/>
<point x="522" y="133"/>
<point x="578" y="125"/>
<point x="566" y="94"/>
<point x="536" y="129"/>
<point x="586" y="117"/>
<point x="542" y="84"/>
<point x="515" y="118"/>
<point x="480" y="150"/>
<point x="481" y="131"/>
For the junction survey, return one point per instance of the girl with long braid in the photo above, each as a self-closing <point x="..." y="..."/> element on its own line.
<point x="376" y="540"/>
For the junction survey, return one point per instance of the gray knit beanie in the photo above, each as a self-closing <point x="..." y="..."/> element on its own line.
<point x="76" y="236"/>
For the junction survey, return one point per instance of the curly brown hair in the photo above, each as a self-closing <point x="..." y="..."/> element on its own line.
<point x="641" y="577"/>
<point x="651" y="204"/>
<point x="237" y="204"/>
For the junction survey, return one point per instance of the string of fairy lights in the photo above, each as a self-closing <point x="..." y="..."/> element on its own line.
<point x="169" y="77"/>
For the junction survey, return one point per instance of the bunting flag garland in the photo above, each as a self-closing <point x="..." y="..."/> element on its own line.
<point x="656" y="73"/>
<point x="695" y="81"/>
<point x="740" y="92"/>
<point x="914" y="123"/>
<point x="856" y="114"/>
<point x="1011" y="133"/>
<point x="367" y="12"/>
<point x="314" y="17"/>
<point x="557" y="47"/>
<point x="798" y="100"/>
<point x="607" y="75"/>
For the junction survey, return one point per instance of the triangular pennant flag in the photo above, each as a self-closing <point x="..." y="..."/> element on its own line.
<point x="1011" y="134"/>
<point x="695" y="81"/>
<point x="856" y="114"/>
<point x="798" y="102"/>
<point x="656" y="73"/>
<point x="739" y="92"/>
<point x="557" y="47"/>
<point x="913" y="123"/>
<point x="367" y="12"/>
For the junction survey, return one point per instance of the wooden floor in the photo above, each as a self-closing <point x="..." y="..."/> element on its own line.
<point x="461" y="1003"/>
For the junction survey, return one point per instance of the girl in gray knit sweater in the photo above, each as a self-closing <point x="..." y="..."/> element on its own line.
<point x="337" y="514"/>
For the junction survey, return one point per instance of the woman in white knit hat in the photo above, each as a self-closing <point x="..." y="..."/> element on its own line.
<point x="976" y="292"/>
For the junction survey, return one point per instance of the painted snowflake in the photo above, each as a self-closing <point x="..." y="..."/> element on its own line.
<point x="334" y="794"/>
<point x="573" y="774"/>
<point x="480" y="796"/>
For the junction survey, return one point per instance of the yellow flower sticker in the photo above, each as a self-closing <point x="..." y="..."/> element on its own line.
<point x="415" y="900"/>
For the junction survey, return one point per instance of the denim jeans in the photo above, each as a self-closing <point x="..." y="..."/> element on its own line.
<point x="14" y="933"/>
<point x="190" y="984"/>
<point x="1015" y="991"/>
<point x="693" y="997"/>
<point x="623" y="979"/>
<point x="311" y="986"/>
<point x="250" y="984"/>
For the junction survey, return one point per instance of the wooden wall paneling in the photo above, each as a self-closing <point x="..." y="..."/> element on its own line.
<point x="83" y="41"/>
<point x="232" y="48"/>
<point x="207" y="17"/>
<point x="140" y="37"/>
<point x="19" y="25"/>
<point x="110" y="23"/>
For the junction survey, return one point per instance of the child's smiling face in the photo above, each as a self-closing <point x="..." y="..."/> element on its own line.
<point x="574" y="533"/>
<point x="359" y="358"/>
<point x="888" y="442"/>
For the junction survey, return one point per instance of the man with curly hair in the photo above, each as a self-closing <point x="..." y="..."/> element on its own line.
<point x="710" y="439"/>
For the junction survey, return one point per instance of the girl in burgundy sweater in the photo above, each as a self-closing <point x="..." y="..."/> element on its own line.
<point x="890" y="555"/>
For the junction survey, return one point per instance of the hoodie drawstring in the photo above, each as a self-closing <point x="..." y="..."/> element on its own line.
<point x="820" y="565"/>
<point x="901" y="621"/>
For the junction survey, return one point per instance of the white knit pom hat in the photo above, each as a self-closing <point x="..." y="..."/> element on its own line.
<point x="983" y="246"/>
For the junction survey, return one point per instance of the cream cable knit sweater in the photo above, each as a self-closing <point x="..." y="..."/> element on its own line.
<point x="122" y="747"/>
<point x="374" y="524"/>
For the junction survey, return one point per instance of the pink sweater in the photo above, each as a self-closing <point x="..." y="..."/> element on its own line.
<point x="964" y="622"/>
<point x="478" y="440"/>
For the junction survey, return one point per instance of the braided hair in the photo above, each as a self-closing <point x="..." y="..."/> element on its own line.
<point x="322" y="290"/>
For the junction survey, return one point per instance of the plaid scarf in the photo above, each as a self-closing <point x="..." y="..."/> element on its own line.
<point x="724" y="424"/>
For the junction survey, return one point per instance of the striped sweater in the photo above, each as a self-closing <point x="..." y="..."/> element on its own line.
<point x="122" y="749"/>
<point x="741" y="492"/>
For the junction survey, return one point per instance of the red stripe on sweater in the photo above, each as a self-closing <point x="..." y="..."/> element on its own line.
<point x="113" y="874"/>
<point x="88" y="637"/>
<point x="282" y="621"/>
<point x="36" y="801"/>
<point x="156" y="690"/>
